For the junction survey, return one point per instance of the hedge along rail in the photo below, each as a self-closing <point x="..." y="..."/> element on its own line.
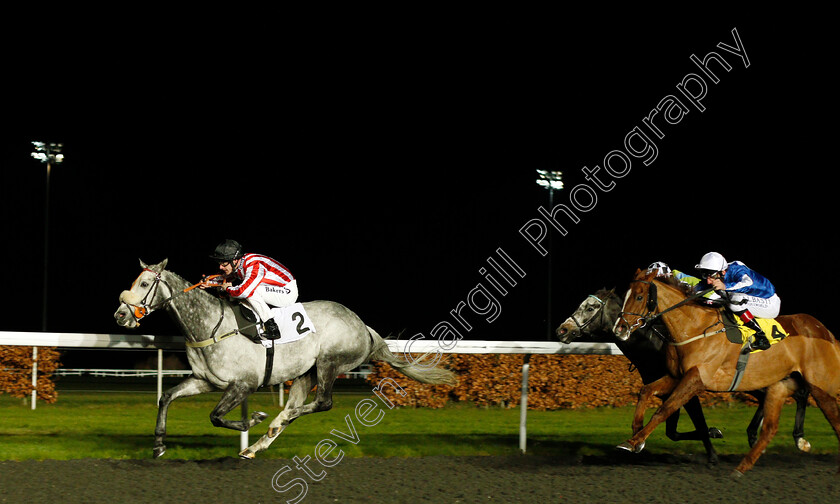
<point x="161" y="343"/>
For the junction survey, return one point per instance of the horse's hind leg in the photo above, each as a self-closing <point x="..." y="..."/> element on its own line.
<point x="801" y="397"/>
<point x="773" y="402"/>
<point x="758" y="417"/>
<point x="829" y="407"/>
<point x="189" y="387"/>
<point x="701" y="429"/>
<point x="297" y="395"/>
<point x="323" y="394"/>
<point x="322" y="402"/>
<point x="231" y="398"/>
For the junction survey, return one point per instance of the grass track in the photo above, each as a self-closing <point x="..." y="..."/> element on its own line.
<point x="120" y="425"/>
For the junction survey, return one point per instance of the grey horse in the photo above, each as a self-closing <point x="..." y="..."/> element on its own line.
<point x="646" y="348"/>
<point x="223" y="359"/>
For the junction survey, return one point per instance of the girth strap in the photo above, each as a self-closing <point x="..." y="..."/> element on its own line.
<point x="269" y="363"/>
<point x="739" y="370"/>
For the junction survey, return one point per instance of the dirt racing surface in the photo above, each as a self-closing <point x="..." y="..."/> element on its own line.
<point x="619" y="478"/>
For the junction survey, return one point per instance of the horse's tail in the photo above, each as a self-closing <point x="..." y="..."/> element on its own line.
<point x="414" y="370"/>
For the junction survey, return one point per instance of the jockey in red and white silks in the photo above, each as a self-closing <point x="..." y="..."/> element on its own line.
<point x="265" y="282"/>
<point x="261" y="282"/>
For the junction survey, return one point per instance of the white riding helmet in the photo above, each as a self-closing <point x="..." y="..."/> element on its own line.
<point x="712" y="262"/>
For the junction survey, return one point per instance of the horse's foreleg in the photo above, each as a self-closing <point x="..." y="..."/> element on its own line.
<point x="231" y="398"/>
<point x="298" y="393"/>
<point x="773" y="402"/>
<point x="688" y="387"/>
<point x="189" y="387"/>
<point x="660" y="387"/>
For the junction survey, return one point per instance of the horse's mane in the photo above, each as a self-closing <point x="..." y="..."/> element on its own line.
<point x="605" y="294"/>
<point x="675" y="283"/>
<point x="206" y="295"/>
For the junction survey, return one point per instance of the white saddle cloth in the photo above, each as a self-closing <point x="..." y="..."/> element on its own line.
<point x="293" y="321"/>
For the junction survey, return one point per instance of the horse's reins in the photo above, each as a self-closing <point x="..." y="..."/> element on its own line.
<point x="142" y="309"/>
<point x="652" y="306"/>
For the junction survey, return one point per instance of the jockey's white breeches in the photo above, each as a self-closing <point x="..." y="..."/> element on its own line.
<point x="267" y="296"/>
<point x="759" y="307"/>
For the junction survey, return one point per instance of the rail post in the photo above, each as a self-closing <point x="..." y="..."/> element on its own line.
<point x="523" y="404"/>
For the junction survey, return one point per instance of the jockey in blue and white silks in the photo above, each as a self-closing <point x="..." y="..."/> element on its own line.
<point x="750" y="293"/>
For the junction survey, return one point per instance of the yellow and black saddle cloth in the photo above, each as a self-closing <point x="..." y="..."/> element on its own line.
<point x="737" y="332"/>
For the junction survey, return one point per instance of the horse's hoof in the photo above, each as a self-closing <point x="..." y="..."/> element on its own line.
<point x="157" y="451"/>
<point x="626" y="446"/>
<point x="258" y="416"/>
<point x="736" y="474"/>
<point x="803" y="445"/>
<point x="247" y="454"/>
<point x="715" y="433"/>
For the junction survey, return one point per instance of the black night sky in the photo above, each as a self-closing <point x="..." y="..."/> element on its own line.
<point x="384" y="169"/>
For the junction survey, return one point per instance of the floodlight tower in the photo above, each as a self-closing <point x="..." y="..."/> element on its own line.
<point x="50" y="154"/>
<point x="553" y="181"/>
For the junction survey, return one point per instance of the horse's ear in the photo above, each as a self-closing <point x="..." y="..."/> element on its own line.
<point x="612" y="291"/>
<point x="143" y="265"/>
<point x="158" y="268"/>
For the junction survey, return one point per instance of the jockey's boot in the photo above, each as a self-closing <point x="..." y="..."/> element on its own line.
<point x="272" y="332"/>
<point x="760" y="341"/>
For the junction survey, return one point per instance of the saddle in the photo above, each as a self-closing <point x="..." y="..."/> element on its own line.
<point x="736" y="332"/>
<point x="246" y="320"/>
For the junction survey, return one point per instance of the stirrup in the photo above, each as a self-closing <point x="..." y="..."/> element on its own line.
<point x="756" y="343"/>
<point x="271" y="331"/>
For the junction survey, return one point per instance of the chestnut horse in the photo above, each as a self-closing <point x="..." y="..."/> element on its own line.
<point x="646" y="350"/>
<point x="706" y="360"/>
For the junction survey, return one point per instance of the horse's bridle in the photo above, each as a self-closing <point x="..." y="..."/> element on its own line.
<point x="580" y="326"/>
<point x="652" y="302"/>
<point x="651" y="308"/>
<point x="143" y="308"/>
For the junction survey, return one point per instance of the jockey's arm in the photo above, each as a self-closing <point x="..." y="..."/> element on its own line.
<point x="253" y="276"/>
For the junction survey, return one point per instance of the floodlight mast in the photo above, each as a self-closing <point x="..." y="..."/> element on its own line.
<point x="553" y="181"/>
<point x="49" y="153"/>
<point x="550" y="179"/>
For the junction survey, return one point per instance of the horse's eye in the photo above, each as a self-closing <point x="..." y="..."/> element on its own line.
<point x="639" y="298"/>
<point x="146" y="284"/>
<point x="590" y="309"/>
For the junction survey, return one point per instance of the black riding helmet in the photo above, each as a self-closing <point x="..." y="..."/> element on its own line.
<point x="229" y="250"/>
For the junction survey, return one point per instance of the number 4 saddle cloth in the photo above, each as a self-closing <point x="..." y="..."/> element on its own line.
<point x="737" y="332"/>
